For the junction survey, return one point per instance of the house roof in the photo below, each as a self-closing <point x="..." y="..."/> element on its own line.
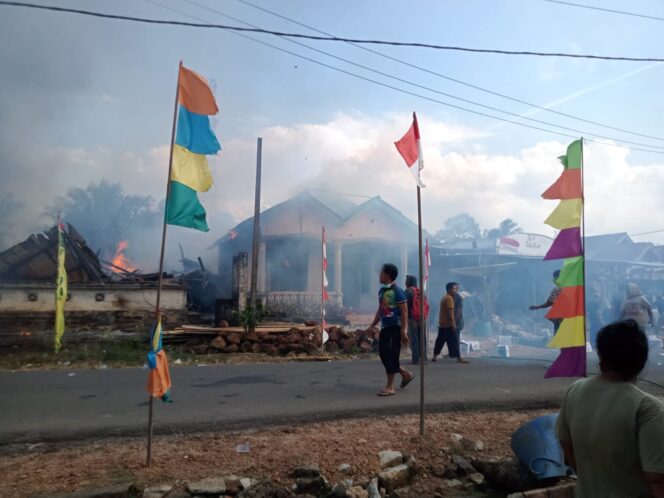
<point x="305" y="213"/>
<point x="35" y="259"/>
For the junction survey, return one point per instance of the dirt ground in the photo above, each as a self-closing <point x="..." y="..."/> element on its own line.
<point x="40" y="469"/>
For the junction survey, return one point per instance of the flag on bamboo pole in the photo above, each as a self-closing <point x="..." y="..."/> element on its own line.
<point x="159" y="380"/>
<point x="60" y="289"/>
<point x="568" y="245"/>
<point x="410" y="148"/>
<point x="194" y="139"/>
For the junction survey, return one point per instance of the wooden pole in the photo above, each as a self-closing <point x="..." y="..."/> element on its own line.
<point x="422" y="318"/>
<point x="322" y="291"/>
<point x="583" y="245"/>
<point x="161" y="258"/>
<point x="257" y="222"/>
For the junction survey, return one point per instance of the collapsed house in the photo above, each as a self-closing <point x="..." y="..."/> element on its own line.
<point x="117" y="298"/>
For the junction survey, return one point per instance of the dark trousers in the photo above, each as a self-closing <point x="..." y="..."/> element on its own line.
<point x="414" y="335"/>
<point x="451" y="337"/>
<point x="389" y="348"/>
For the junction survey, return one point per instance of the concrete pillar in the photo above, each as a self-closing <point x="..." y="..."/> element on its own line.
<point x="262" y="268"/>
<point x="403" y="269"/>
<point x="337" y="267"/>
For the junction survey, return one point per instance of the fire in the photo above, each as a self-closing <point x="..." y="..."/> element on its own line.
<point x="120" y="261"/>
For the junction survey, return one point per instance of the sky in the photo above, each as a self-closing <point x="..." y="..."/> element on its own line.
<point x="85" y="99"/>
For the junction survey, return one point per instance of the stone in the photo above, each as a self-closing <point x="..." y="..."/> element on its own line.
<point x="465" y="468"/>
<point x="410" y="460"/>
<point x="396" y="477"/>
<point x="265" y="489"/>
<point x="373" y="490"/>
<point x="331" y="347"/>
<point x="345" y="469"/>
<point x="362" y="441"/>
<point x="233" y="339"/>
<point x="209" y="486"/>
<point x="366" y="347"/>
<point x="233" y="485"/>
<point x="157" y="491"/>
<point x="233" y="348"/>
<point x="456" y="438"/>
<point x="256" y="348"/>
<point x="347" y="345"/>
<point x="453" y="483"/>
<point x="339" y="490"/>
<point x="269" y="349"/>
<point x="223" y="324"/>
<point x="218" y="343"/>
<point x="247" y="482"/>
<point x="451" y="471"/>
<point x="357" y="492"/>
<point x="307" y="470"/>
<point x="390" y="458"/>
<point x="245" y="347"/>
<point x="477" y="478"/>
<point x="478" y="446"/>
<point x="506" y="475"/>
<point x="316" y="486"/>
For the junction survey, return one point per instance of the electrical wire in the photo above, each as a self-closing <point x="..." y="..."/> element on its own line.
<point x="449" y="78"/>
<point x="407" y="92"/>
<point x="603" y="9"/>
<point x="326" y="38"/>
<point x="418" y="85"/>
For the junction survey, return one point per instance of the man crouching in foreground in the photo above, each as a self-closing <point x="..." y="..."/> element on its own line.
<point x="393" y="316"/>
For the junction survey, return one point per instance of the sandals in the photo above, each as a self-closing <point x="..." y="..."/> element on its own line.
<point x="386" y="393"/>
<point x="405" y="382"/>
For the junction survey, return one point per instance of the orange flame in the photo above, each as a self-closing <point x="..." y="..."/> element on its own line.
<point x="120" y="260"/>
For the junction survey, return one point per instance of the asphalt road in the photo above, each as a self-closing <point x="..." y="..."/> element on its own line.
<point x="61" y="406"/>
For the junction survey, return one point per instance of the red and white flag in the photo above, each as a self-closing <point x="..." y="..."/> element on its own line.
<point x="410" y="148"/>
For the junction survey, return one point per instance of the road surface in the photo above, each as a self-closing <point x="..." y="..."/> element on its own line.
<point x="62" y="406"/>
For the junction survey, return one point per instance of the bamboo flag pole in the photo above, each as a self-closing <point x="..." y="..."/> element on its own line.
<point x="422" y="333"/>
<point x="161" y="259"/>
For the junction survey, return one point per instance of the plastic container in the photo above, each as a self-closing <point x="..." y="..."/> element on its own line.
<point x="536" y="446"/>
<point x="503" y="351"/>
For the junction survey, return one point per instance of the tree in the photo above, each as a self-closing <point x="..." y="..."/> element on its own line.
<point x="460" y="227"/>
<point x="506" y="227"/>
<point x="105" y="215"/>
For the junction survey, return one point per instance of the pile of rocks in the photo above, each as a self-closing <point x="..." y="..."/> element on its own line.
<point x="297" y="340"/>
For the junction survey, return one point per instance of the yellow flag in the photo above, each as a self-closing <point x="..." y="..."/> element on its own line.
<point x="566" y="215"/>
<point x="191" y="169"/>
<point x="572" y="333"/>
<point x="60" y="290"/>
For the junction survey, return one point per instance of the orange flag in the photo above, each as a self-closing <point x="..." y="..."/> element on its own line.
<point x="567" y="186"/>
<point x="568" y="304"/>
<point x="195" y="93"/>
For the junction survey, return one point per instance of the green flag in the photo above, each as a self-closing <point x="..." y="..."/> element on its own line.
<point x="574" y="157"/>
<point x="571" y="274"/>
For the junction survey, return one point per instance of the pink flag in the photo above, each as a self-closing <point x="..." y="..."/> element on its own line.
<point x="410" y="148"/>
<point x="570" y="363"/>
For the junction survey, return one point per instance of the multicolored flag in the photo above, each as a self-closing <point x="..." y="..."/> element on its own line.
<point x="60" y="288"/>
<point x="159" y="380"/>
<point x="568" y="245"/>
<point x="194" y="139"/>
<point x="410" y="148"/>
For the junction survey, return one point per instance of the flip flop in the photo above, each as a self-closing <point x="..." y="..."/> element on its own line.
<point x="386" y="393"/>
<point x="405" y="382"/>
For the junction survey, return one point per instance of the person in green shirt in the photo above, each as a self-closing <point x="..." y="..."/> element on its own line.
<point x="612" y="433"/>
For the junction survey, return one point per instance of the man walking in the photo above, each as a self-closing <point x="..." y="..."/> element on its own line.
<point x="555" y="292"/>
<point x="392" y="313"/>
<point x="447" y="326"/>
<point x="413" y="295"/>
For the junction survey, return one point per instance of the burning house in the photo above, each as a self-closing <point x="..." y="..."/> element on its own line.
<point x="360" y="238"/>
<point x="100" y="294"/>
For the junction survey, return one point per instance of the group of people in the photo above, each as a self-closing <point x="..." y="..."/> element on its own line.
<point x="399" y="316"/>
<point x="611" y="432"/>
<point x="633" y="306"/>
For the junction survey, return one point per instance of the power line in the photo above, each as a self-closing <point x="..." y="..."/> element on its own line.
<point x="476" y="87"/>
<point x="603" y="9"/>
<point x="408" y="92"/>
<point x="401" y="80"/>
<point x="646" y="233"/>
<point x="327" y="38"/>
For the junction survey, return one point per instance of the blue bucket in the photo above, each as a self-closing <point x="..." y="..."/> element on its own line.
<point x="536" y="446"/>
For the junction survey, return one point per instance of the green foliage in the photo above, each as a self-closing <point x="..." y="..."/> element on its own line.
<point x="460" y="227"/>
<point x="250" y="316"/>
